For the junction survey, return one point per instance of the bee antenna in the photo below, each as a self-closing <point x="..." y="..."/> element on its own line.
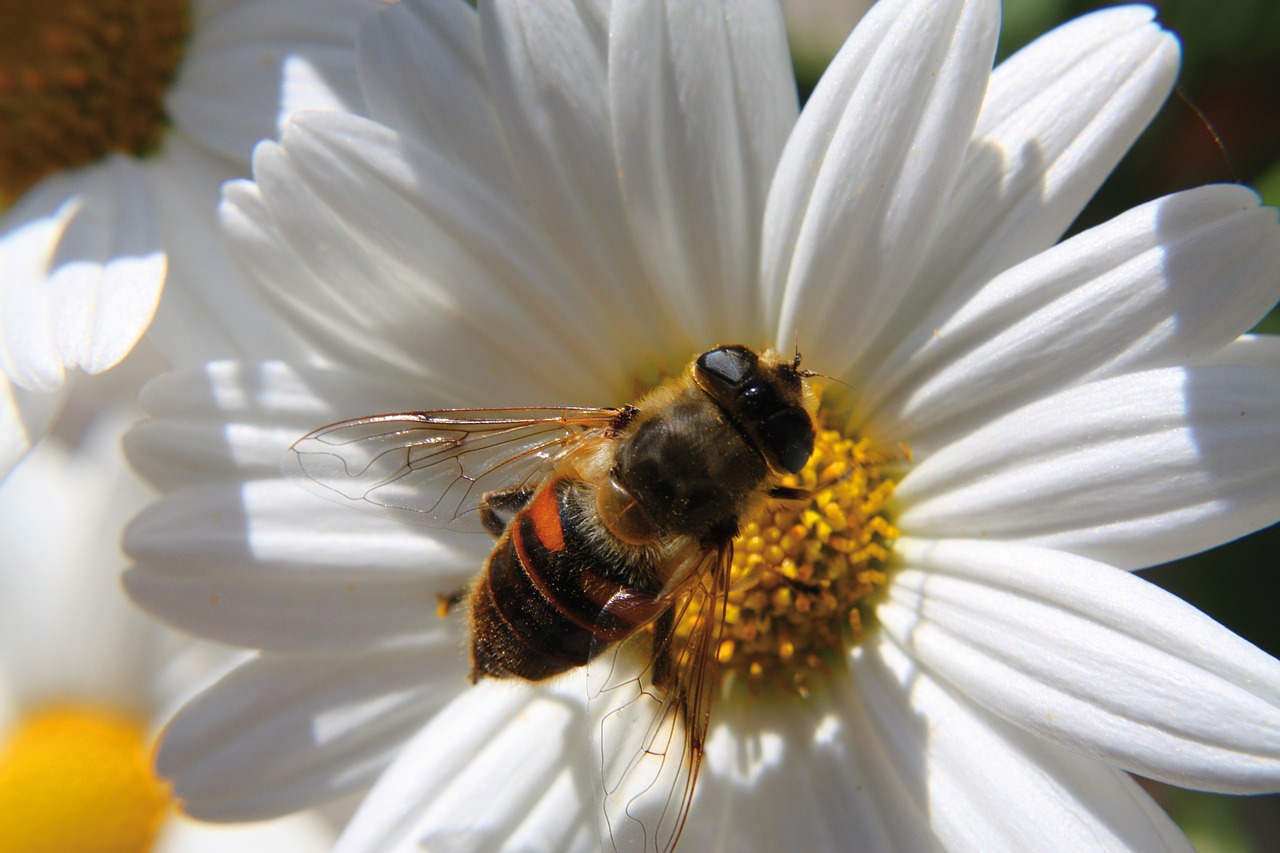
<point x="811" y="373"/>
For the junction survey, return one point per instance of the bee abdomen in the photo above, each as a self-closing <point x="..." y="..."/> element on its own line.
<point x="546" y="602"/>
<point x="524" y="637"/>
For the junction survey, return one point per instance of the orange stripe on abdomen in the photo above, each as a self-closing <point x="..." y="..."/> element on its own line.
<point x="544" y="512"/>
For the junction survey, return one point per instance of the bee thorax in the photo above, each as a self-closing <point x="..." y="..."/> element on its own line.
<point x="689" y="468"/>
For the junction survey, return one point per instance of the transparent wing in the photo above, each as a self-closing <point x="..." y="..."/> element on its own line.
<point x="651" y="698"/>
<point x="433" y="468"/>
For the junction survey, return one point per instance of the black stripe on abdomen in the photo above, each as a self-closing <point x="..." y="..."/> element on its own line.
<point x="543" y="638"/>
<point x="544" y="608"/>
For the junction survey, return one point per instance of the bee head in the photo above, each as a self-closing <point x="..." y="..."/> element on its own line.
<point x="765" y="397"/>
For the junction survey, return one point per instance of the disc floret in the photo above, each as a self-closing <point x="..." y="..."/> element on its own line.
<point x="801" y="570"/>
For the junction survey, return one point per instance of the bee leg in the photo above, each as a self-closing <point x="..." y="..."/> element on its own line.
<point x="789" y="493"/>
<point x="663" y="630"/>
<point x="497" y="509"/>
<point x="445" y="603"/>
<point x="803" y="586"/>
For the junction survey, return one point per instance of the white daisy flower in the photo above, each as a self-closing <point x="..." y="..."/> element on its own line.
<point x="555" y="204"/>
<point x="85" y="680"/>
<point x="122" y="119"/>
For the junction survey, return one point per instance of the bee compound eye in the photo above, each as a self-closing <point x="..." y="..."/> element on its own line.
<point x="789" y="434"/>
<point x="729" y="365"/>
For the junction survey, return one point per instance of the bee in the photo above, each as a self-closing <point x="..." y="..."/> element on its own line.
<point x="614" y="527"/>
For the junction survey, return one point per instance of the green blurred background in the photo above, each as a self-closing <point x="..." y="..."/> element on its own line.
<point x="1225" y="127"/>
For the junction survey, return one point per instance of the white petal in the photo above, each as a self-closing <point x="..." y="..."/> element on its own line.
<point x="703" y="98"/>
<point x="207" y="313"/>
<point x="236" y="421"/>
<point x="250" y="64"/>
<point x="1256" y="350"/>
<point x="501" y="768"/>
<point x="29" y="354"/>
<point x="1167" y="283"/>
<point x="1057" y="117"/>
<point x="81" y="270"/>
<point x="65" y="628"/>
<point x="863" y="177"/>
<point x="285" y="732"/>
<point x="422" y="72"/>
<point x="266" y="565"/>
<point x="547" y="66"/>
<point x="987" y="785"/>
<point x="25" y="416"/>
<point x="821" y="766"/>
<point x="300" y="833"/>
<point x="375" y="284"/>
<point x="1133" y="471"/>
<point x="1093" y="658"/>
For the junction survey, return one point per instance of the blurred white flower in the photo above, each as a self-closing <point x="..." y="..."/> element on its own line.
<point x="551" y="201"/>
<point x="122" y="119"/>
<point x="85" y="679"/>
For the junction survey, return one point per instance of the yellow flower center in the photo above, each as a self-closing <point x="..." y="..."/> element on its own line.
<point x="79" y="778"/>
<point x="80" y="79"/>
<point x="800" y="572"/>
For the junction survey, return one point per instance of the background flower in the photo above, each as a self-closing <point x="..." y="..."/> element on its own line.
<point x="122" y="123"/>
<point x="174" y="95"/>
<point x="85" y="679"/>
